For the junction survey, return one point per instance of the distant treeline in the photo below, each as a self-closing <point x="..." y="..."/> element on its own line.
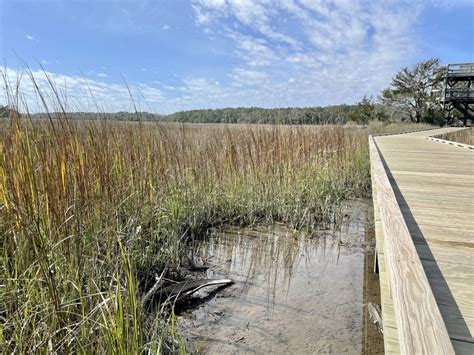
<point x="338" y="114"/>
<point x="306" y="115"/>
<point x="415" y="94"/>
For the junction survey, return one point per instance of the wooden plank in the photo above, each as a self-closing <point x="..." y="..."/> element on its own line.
<point x="454" y="323"/>
<point x="444" y="253"/>
<point x="425" y="194"/>
<point x="421" y="328"/>
<point x="457" y="293"/>
<point x="390" y="332"/>
<point x="425" y="169"/>
<point x="438" y="217"/>
<point x="388" y="310"/>
<point x="446" y="206"/>
<point x="462" y="347"/>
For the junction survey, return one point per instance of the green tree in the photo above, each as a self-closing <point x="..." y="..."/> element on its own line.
<point x="364" y="111"/>
<point x="6" y="111"/>
<point x="414" y="91"/>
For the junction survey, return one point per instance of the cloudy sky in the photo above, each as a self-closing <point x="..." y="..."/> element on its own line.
<point x="178" y="55"/>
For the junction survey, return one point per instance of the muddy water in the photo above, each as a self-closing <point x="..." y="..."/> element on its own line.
<point x="293" y="293"/>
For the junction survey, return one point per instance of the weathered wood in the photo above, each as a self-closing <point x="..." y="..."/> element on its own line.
<point x="184" y="289"/>
<point x="421" y="328"/>
<point x="389" y="325"/>
<point x="390" y="333"/>
<point x="152" y="291"/>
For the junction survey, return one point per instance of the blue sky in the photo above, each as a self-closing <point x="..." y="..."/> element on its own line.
<point x="179" y="55"/>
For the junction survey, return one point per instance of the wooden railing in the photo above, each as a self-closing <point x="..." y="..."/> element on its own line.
<point x="420" y="326"/>
<point x="461" y="69"/>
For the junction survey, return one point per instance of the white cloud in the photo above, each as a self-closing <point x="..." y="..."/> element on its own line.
<point x="312" y="52"/>
<point x="254" y="51"/>
<point x="252" y="13"/>
<point x="246" y="77"/>
<point x="101" y="75"/>
<point x="166" y="27"/>
<point x="80" y="94"/>
<point x="286" y="53"/>
<point x="31" y="38"/>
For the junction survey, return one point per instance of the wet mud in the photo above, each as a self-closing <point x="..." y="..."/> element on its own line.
<point x="292" y="292"/>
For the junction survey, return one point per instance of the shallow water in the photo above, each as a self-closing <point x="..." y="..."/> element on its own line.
<point x="293" y="293"/>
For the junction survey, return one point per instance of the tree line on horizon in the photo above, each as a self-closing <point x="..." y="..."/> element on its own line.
<point x="413" y="95"/>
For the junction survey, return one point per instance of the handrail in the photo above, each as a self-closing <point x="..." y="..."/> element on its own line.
<point x="459" y="64"/>
<point x="421" y="329"/>
<point x="460" y="68"/>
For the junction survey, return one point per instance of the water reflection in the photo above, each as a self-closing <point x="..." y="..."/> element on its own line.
<point x="293" y="292"/>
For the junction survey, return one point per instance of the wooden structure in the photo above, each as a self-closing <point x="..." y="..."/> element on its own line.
<point x="459" y="90"/>
<point x="423" y="200"/>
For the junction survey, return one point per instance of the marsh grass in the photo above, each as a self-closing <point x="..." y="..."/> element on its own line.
<point x="465" y="136"/>
<point x="92" y="211"/>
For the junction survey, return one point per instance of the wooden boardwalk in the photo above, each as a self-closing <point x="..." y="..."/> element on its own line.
<point x="423" y="193"/>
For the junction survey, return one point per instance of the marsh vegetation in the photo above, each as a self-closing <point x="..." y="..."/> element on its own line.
<point x="93" y="212"/>
<point x="465" y="136"/>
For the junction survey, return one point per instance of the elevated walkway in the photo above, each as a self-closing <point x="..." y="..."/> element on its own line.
<point x="423" y="193"/>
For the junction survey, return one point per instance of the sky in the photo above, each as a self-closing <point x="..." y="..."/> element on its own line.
<point x="178" y="55"/>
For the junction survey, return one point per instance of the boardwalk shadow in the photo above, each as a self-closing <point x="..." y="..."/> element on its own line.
<point x="452" y="316"/>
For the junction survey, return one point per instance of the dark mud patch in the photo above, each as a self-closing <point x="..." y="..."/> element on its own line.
<point x="293" y="293"/>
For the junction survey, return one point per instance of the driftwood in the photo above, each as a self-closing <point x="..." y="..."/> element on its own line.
<point x="155" y="288"/>
<point x="184" y="289"/>
<point x="374" y="314"/>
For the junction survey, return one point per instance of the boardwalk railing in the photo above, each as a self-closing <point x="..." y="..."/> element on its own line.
<point x="461" y="69"/>
<point x="421" y="329"/>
